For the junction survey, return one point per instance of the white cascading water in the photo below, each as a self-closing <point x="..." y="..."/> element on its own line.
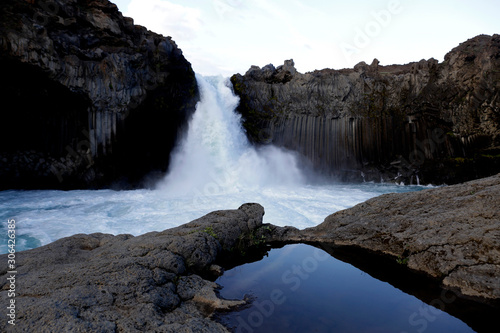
<point x="215" y="157"/>
<point x="214" y="167"/>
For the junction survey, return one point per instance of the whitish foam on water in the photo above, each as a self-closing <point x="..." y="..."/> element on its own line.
<point x="44" y="216"/>
<point x="214" y="167"/>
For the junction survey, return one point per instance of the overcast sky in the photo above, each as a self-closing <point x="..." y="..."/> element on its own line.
<point x="228" y="36"/>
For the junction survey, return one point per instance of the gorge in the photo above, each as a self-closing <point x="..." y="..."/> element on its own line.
<point x="118" y="165"/>
<point x="114" y="97"/>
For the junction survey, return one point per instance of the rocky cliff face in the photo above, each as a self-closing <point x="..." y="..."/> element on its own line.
<point x="88" y="97"/>
<point x="437" y="121"/>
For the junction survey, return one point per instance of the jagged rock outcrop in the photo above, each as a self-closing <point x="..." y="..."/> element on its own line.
<point x="451" y="233"/>
<point x="438" y="121"/>
<point x="88" y="97"/>
<point x="148" y="283"/>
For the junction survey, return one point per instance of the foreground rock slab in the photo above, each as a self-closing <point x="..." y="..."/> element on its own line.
<point x="155" y="282"/>
<point x="451" y="233"/>
<point x="106" y="283"/>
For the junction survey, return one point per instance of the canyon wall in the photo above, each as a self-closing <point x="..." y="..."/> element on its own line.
<point x="88" y="98"/>
<point x="424" y="121"/>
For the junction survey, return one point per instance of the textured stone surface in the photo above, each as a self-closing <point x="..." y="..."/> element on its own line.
<point x="451" y="233"/>
<point x="105" y="283"/>
<point x="88" y="97"/>
<point x="153" y="282"/>
<point x="440" y="121"/>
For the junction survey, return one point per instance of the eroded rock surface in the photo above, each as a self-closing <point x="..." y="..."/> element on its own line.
<point x="451" y="233"/>
<point x="153" y="282"/>
<point x="149" y="283"/>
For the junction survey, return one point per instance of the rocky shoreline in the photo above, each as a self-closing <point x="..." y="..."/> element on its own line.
<point x="149" y="283"/>
<point x="161" y="281"/>
<point x="450" y="233"/>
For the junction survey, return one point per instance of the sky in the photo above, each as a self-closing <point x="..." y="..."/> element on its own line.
<point x="224" y="37"/>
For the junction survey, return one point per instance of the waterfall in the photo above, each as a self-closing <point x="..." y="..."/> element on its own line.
<point x="215" y="156"/>
<point x="213" y="167"/>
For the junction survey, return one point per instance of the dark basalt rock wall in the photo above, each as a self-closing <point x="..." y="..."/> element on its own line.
<point x="88" y="97"/>
<point x="438" y="121"/>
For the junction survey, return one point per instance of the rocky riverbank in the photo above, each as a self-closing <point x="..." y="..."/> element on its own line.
<point x="450" y="233"/>
<point x="149" y="283"/>
<point x="161" y="281"/>
<point x="437" y="121"/>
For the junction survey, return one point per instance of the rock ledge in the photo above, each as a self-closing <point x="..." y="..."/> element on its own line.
<point x="450" y="233"/>
<point x="149" y="283"/>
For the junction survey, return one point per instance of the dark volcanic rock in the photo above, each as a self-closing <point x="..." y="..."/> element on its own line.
<point x="440" y="121"/>
<point x="105" y="283"/>
<point x="88" y="97"/>
<point x="450" y="233"/>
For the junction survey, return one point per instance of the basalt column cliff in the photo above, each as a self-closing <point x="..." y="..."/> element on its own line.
<point x="88" y="98"/>
<point x="436" y="122"/>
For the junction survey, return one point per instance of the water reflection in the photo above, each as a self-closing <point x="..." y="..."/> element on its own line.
<point x="301" y="288"/>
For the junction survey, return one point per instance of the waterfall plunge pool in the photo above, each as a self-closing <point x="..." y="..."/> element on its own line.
<point x="213" y="167"/>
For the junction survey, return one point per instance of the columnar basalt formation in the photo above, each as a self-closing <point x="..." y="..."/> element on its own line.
<point x="437" y="121"/>
<point x="88" y="97"/>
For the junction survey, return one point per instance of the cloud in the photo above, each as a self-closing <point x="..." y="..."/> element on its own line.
<point x="227" y="36"/>
<point x="228" y="9"/>
<point x="167" y="18"/>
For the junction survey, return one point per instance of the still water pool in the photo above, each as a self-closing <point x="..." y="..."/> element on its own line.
<point x="301" y="288"/>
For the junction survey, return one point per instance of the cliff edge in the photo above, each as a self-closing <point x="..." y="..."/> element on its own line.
<point x="439" y="122"/>
<point x="88" y="97"/>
